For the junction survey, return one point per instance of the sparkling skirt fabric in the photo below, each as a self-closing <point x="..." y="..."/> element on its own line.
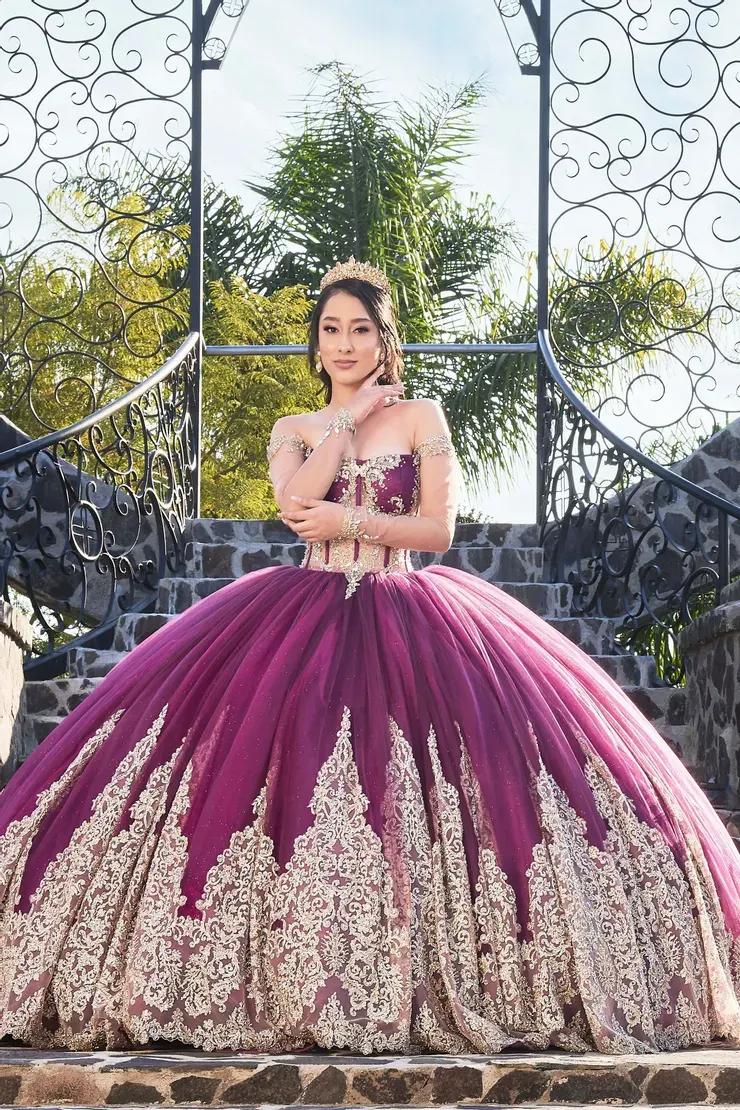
<point x="415" y="819"/>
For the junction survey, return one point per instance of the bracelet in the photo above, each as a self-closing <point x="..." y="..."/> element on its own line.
<point x="342" y="419"/>
<point x="353" y="527"/>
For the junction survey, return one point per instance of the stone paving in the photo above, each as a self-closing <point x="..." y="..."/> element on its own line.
<point x="178" y="1076"/>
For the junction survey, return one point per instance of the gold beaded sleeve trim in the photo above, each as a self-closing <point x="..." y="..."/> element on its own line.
<point x="293" y="440"/>
<point x="438" y="444"/>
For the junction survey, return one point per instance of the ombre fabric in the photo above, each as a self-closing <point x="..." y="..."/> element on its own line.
<point x="411" y="819"/>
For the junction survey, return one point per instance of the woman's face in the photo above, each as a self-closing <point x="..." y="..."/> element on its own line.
<point x="349" y="341"/>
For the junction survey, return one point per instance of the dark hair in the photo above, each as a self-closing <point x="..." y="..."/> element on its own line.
<point x="380" y="310"/>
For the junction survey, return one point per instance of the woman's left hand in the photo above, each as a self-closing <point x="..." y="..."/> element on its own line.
<point x="313" y="519"/>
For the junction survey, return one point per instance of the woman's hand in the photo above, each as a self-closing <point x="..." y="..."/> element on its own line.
<point x="370" y="396"/>
<point x="313" y="519"/>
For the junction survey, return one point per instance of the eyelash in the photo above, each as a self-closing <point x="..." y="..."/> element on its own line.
<point x="329" y="327"/>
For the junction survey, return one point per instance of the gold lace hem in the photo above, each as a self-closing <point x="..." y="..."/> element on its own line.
<point x="364" y="941"/>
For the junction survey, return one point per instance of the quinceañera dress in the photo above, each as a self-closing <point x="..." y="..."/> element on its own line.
<point x="380" y="809"/>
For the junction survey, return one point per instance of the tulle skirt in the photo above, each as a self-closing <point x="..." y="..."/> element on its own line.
<point x="414" y="819"/>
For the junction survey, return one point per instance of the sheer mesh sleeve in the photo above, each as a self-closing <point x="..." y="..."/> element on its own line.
<point x="438" y="444"/>
<point x="286" y="453"/>
<point x="290" y="440"/>
<point x="438" y="469"/>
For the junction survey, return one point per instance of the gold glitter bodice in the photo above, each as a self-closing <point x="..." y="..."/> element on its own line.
<point x="388" y="483"/>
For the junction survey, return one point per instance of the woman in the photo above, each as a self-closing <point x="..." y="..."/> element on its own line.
<point x="377" y="809"/>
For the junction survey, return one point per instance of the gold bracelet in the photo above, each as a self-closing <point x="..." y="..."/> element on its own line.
<point x="353" y="527"/>
<point x="346" y="530"/>
<point x="342" y="419"/>
<point x="363" y="533"/>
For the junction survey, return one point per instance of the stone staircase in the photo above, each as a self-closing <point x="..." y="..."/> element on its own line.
<point x="164" y="1074"/>
<point x="217" y="551"/>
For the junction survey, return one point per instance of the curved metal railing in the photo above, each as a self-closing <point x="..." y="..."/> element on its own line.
<point x="92" y="515"/>
<point x="637" y="541"/>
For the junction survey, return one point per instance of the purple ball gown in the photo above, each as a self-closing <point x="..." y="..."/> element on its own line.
<point x="380" y="809"/>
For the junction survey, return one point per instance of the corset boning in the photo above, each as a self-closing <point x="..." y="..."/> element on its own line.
<point x="384" y="484"/>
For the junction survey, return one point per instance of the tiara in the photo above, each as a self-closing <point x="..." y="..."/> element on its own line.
<point x="362" y="270"/>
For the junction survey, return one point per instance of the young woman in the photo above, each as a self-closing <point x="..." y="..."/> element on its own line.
<point x="349" y="804"/>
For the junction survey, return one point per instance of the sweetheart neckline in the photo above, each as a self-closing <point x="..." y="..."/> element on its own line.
<point x="385" y="455"/>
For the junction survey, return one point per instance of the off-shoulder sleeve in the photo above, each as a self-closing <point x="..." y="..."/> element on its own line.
<point x="439" y="476"/>
<point x="291" y="441"/>
<point x="286" y="453"/>
<point x="438" y="444"/>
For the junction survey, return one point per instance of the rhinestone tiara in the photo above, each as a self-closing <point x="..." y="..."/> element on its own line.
<point x="353" y="268"/>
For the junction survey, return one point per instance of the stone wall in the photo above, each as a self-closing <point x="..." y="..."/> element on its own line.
<point x="711" y="649"/>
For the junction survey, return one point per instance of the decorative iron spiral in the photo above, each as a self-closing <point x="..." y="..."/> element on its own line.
<point x="645" y="254"/>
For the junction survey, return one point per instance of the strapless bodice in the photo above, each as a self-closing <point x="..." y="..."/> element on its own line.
<point x="385" y="483"/>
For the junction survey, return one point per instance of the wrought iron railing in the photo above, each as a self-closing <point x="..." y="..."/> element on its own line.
<point x="93" y="515"/>
<point x="637" y="541"/>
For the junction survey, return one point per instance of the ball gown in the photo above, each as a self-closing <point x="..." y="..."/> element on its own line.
<point x="379" y="809"/>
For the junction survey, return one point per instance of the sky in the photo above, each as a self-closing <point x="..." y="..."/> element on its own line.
<point x="400" y="50"/>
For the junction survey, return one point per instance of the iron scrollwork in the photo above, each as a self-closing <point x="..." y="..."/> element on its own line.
<point x="645" y="150"/>
<point x="93" y="516"/>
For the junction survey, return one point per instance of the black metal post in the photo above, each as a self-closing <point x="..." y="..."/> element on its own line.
<point x="543" y="245"/>
<point x="196" y="234"/>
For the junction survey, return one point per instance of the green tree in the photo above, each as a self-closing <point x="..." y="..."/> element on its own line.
<point x="242" y="397"/>
<point x="359" y="178"/>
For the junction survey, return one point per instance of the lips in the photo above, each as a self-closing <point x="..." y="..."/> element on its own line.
<point x="344" y="363"/>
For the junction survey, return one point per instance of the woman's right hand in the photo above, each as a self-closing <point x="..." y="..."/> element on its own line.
<point x="371" y="396"/>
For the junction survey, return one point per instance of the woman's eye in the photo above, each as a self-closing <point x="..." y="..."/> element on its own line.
<point x="330" y="327"/>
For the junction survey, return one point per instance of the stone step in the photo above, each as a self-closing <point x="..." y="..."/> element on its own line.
<point x="730" y="818"/>
<point x="630" y="670"/>
<point x="92" y="662"/>
<point x="134" y="628"/>
<point x="417" y="1106"/>
<point x="666" y="703"/>
<point x="493" y="564"/>
<point x="240" y="532"/>
<point x="548" y="599"/>
<point x="36" y="729"/>
<point x="178" y="594"/>
<point x="227" y="560"/>
<point x="56" y="697"/>
<point x="594" y="634"/>
<point x="178" y="1076"/>
<point x="665" y="708"/>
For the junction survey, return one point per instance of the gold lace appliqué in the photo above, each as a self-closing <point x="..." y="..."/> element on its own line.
<point x="292" y="440"/>
<point x="439" y="444"/>
<point x="366" y="940"/>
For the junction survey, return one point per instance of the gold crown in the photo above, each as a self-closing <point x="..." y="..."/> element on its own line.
<point x="352" y="268"/>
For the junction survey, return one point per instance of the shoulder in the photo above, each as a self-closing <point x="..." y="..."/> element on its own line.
<point x="286" y="431"/>
<point x="294" y="424"/>
<point x="427" y="418"/>
<point x="286" y="424"/>
<point x="425" y="408"/>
